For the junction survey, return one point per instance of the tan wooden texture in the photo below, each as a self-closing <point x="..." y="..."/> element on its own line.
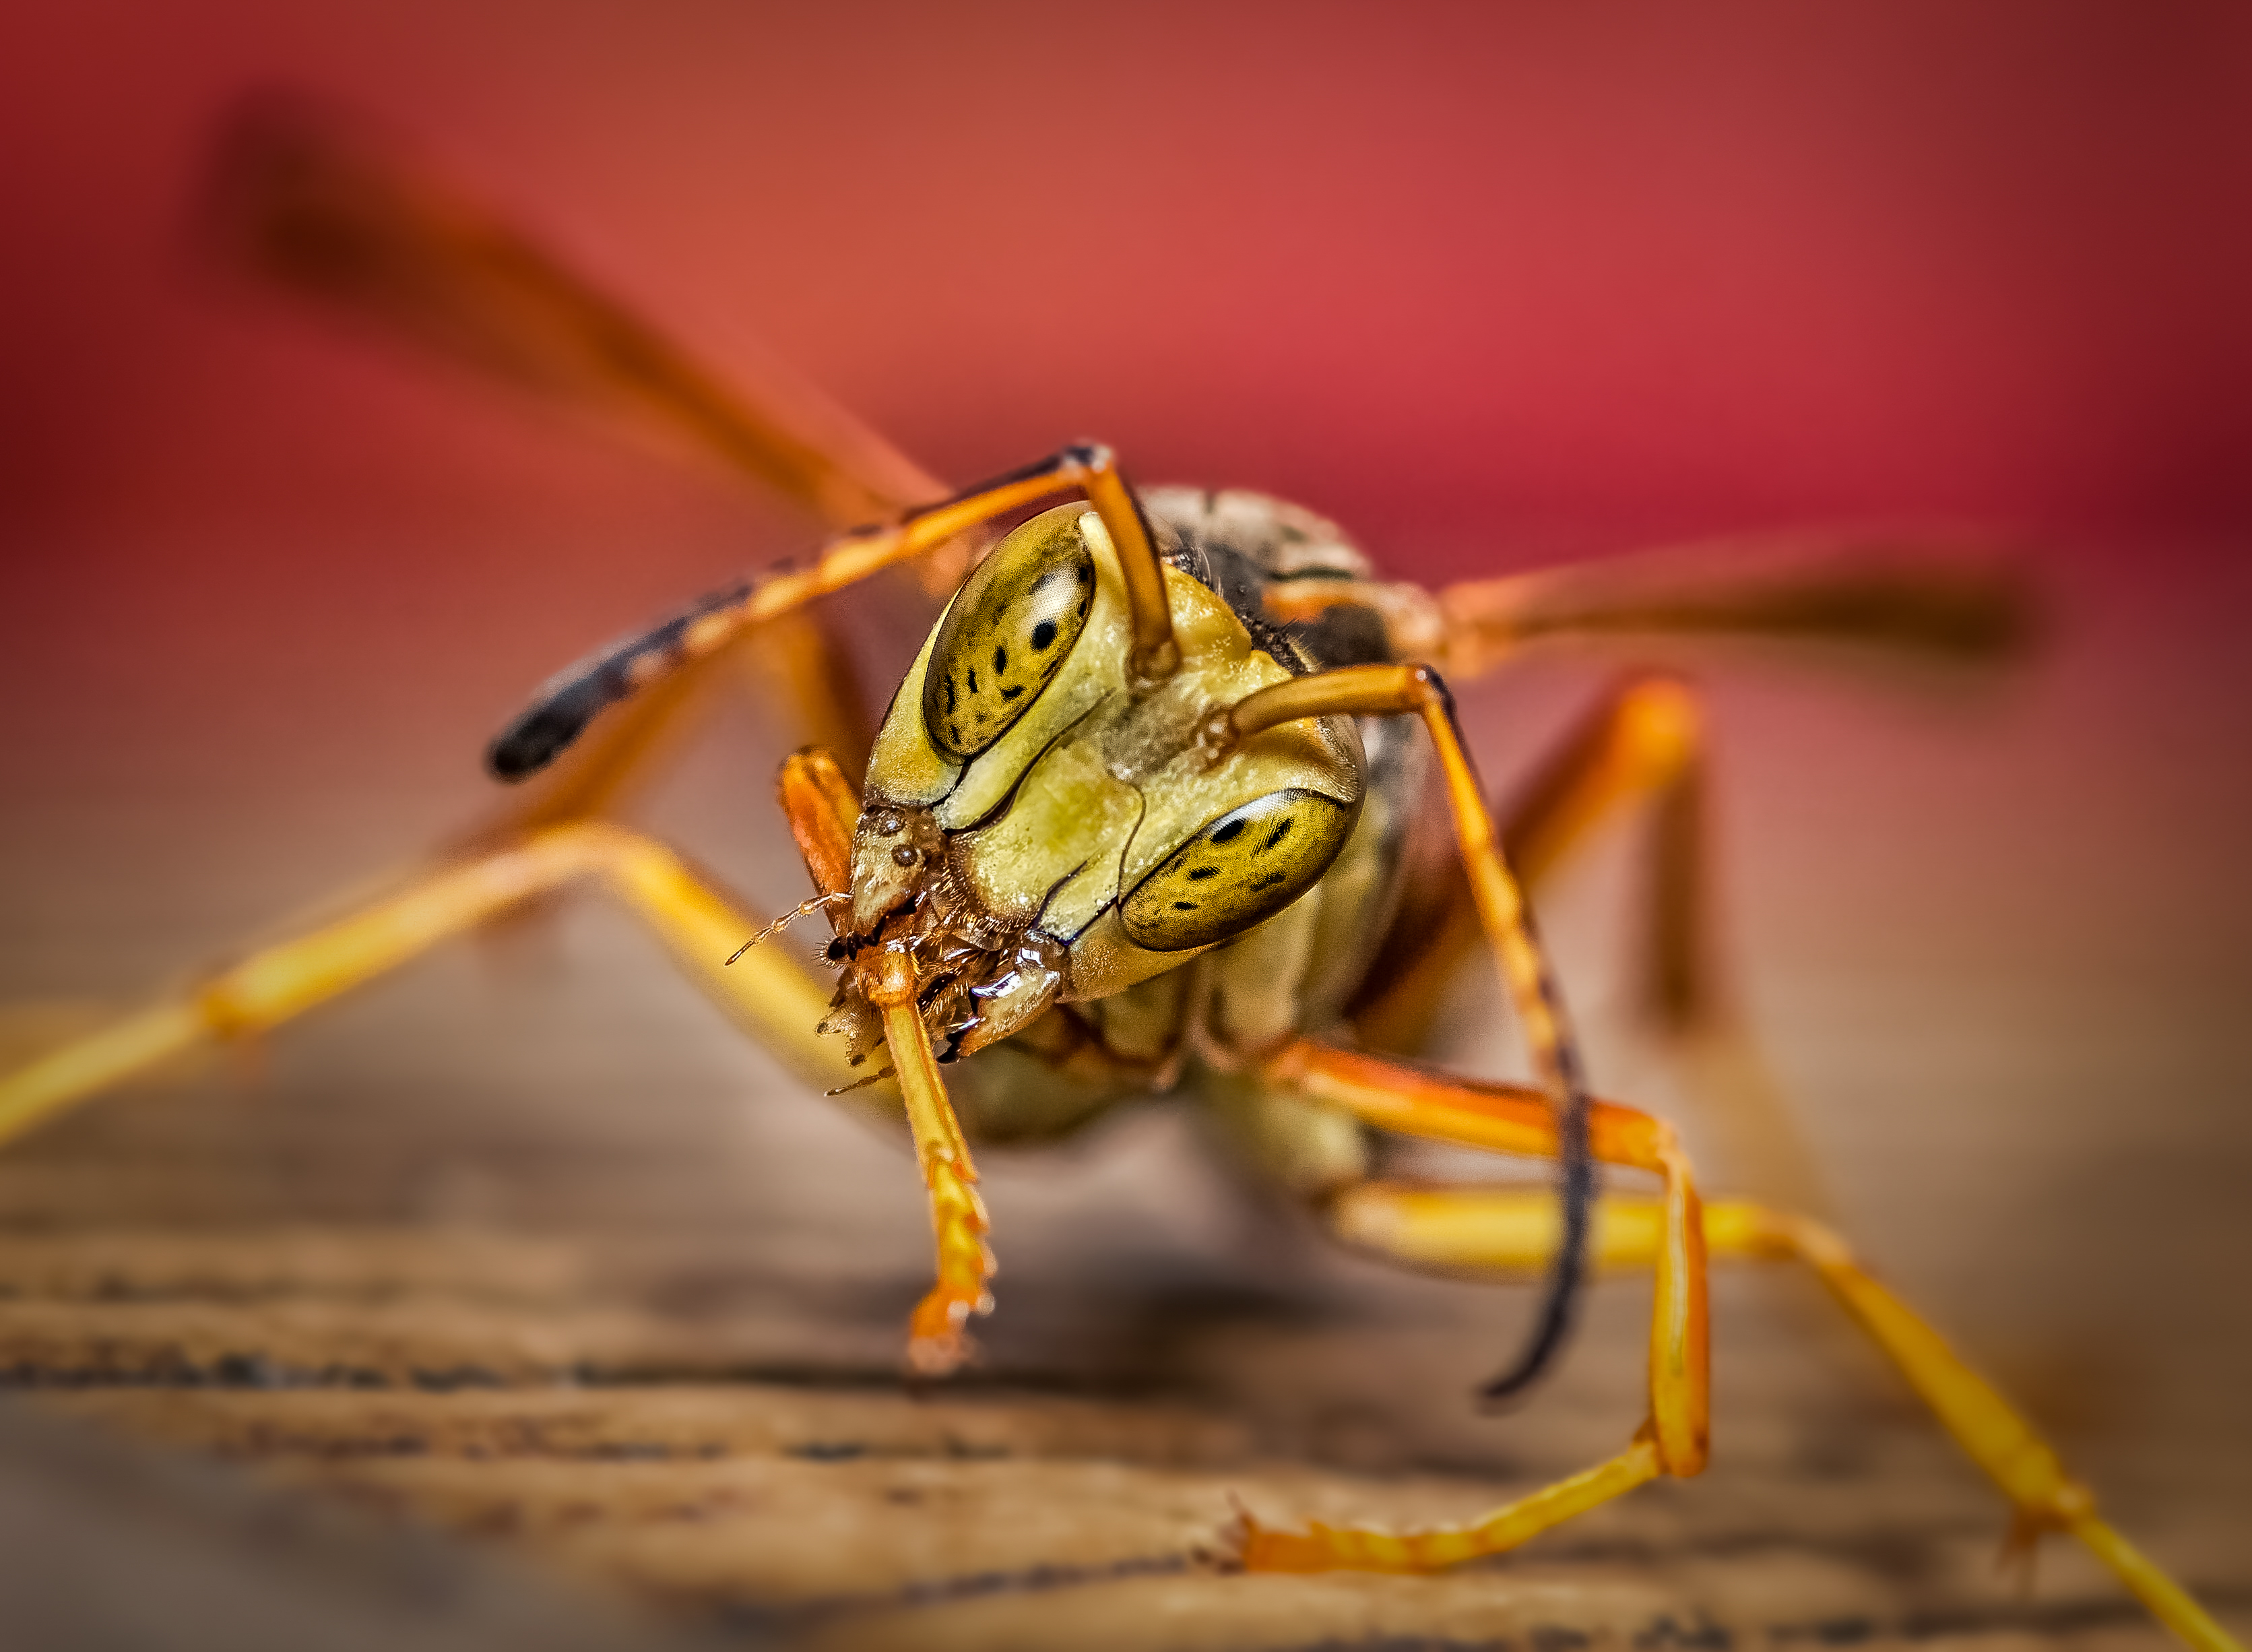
<point x="726" y="1438"/>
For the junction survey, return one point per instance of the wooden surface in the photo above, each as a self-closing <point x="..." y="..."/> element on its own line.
<point x="719" y="1434"/>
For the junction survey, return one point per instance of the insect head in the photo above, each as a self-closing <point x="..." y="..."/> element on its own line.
<point x="1038" y="828"/>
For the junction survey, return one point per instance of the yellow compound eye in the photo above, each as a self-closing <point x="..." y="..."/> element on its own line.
<point x="1007" y="633"/>
<point x="1246" y="865"/>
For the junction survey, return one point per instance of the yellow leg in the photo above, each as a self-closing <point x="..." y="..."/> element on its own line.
<point x="1498" y="1230"/>
<point x="774" y="1000"/>
<point x="1514" y="1119"/>
<point x="936" y="1342"/>
<point x="1321" y="1548"/>
<point x="1510" y="1119"/>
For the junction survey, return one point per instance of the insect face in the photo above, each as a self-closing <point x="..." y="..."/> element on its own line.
<point x="1035" y="829"/>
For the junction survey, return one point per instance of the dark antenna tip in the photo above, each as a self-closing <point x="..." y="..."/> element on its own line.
<point x="1548" y="1339"/>
<point x="1568" y="1269"/>
<point x="532" y="741"/>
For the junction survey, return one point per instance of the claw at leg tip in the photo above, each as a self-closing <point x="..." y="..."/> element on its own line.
<point x="937" y="1356"/>
<point x="1257" y="1548"/>
<point x="937" y="1344"/>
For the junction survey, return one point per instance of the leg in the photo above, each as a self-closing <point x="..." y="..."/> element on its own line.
<point x="657" y="658"/>
<point x="773" y="999"/>
<point x="1504" y="1230"/>
<point x="1499" y="1230"/>
<point x="1644" y="744"/>
<point x="821" y="809"/>
<point x="1509" y="1118"/>
<point x="495" y="874"/>
<point x="1513" y="1120"/>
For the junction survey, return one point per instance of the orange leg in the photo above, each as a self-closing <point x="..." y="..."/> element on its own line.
<point x="1506" y="1231"/>
<point x="1644" y="744"/>
<point x="822" y="810"/>
<point x="1513" y="1120"/>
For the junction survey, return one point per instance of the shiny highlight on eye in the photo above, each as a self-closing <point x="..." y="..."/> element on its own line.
<point x="1007" y="634"/>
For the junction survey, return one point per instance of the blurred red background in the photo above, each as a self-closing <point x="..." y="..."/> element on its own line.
<point x="1489" y="285"/>
<point x="1445" y="267"/>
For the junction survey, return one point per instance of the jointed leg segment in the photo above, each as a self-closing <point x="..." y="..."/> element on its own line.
<point x="1513" y="1120"/>
<point x="822" y="810"/>
<point x="775" y="1001"/>
<point x="1508" y="1231"/>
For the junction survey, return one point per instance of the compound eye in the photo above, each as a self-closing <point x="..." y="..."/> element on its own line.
<point x="1007" y="633"/>
<point x="1246" y="865"/>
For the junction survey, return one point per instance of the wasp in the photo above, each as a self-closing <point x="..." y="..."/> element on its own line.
<point x="1146" y="814"/>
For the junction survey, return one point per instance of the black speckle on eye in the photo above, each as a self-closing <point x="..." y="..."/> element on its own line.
<point x="1277" y="834"/>
<point x="1228" y="834"/>
<point x="1268" y="881"/>
<point x="1184" y="906"/>
<point x="1082" y="607"/>
<point x="1012" y="623"/>
<point x="1202" y="873"/>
